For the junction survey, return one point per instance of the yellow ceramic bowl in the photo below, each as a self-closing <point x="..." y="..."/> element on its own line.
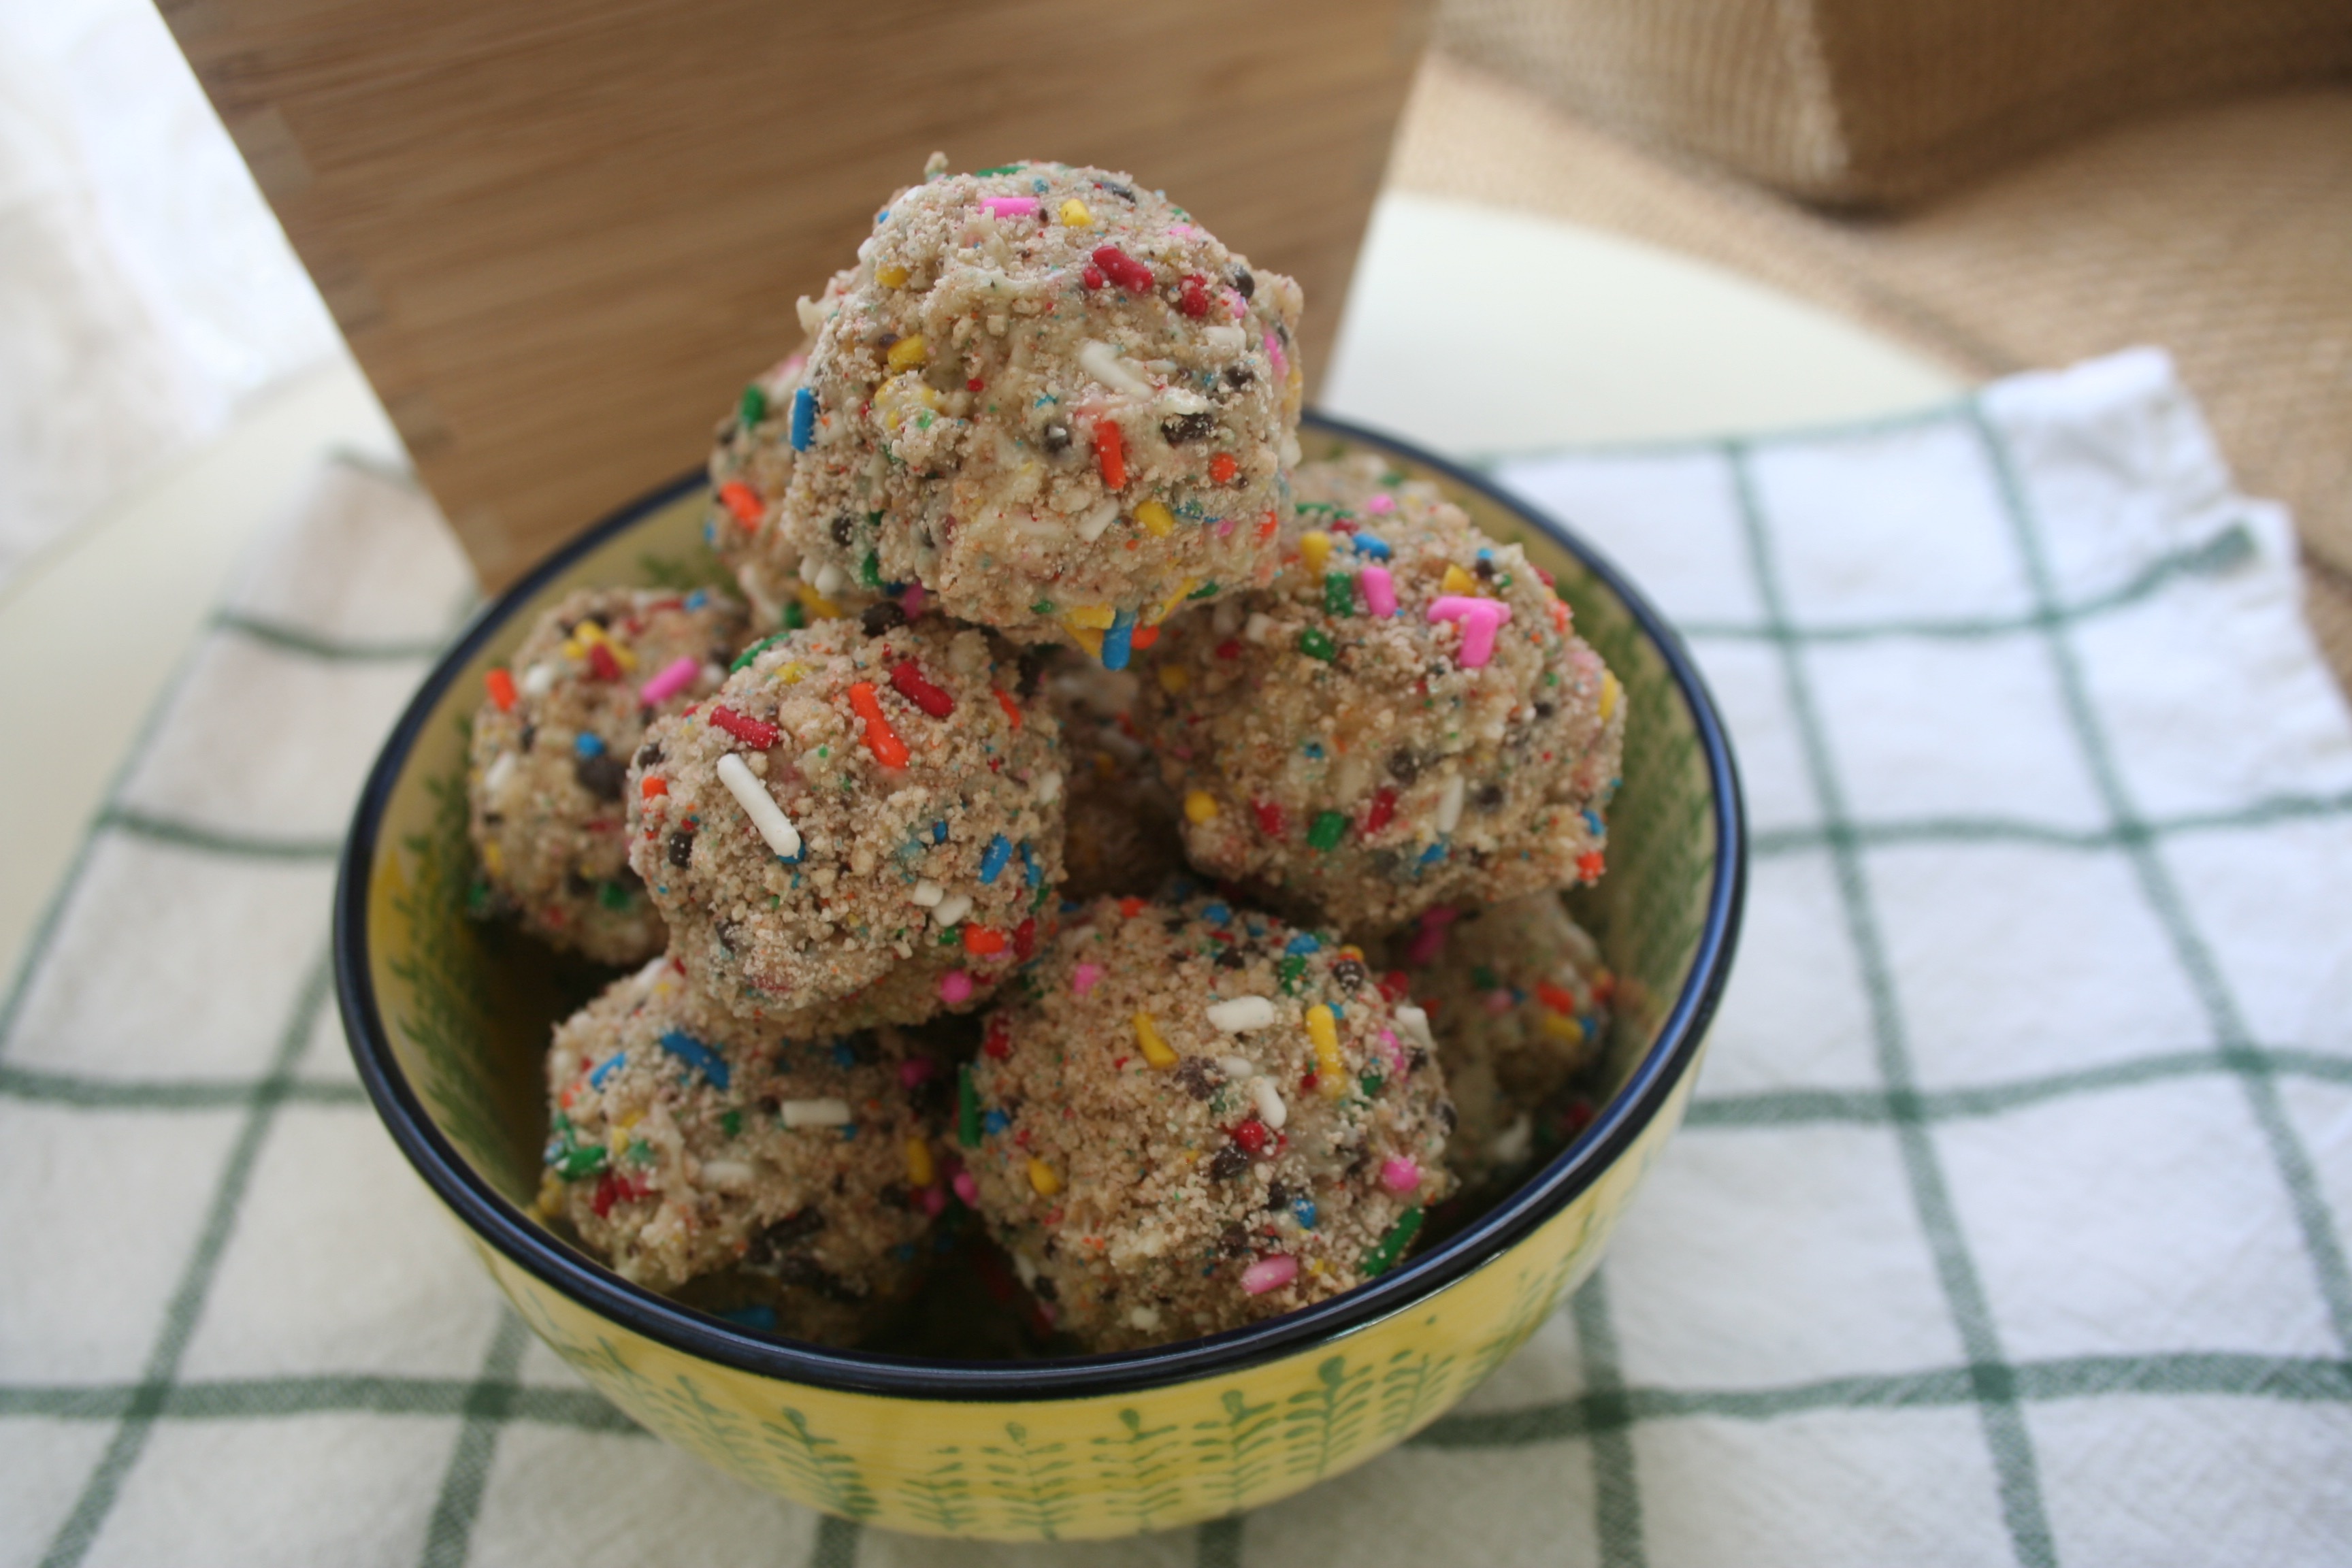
<point x="449" y="1019"/>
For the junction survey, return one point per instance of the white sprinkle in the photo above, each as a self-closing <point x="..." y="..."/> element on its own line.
<point x="1049" y="787"/>
<point x="1511" y="1144"/>
<point x="1257" y="626"/>
<point x="812" y="317"/>
<point x="1227" y="617"/>
<point x="1224" y="341"/>
<point x="727" y="1173"/>
<point x="758" y="805"/>
<point x="952" y="907"/>
<point x="831" y="580"/>
<point x="928" y="893"/>
<point x="810" y="564"/>
<point x="1144" y="1318"/>
<point x="1091" y="526"/>
<point x="652" y="972"/>
<point x="1449" y="804"/>
<point x="1270" y="1108"/>
<point x="1034" y="527"/>
<point x="814" y="1112"/>
<point x="539" y="680"/>
<point x="1024" y="1267"/>
<point x="501" y="773"/>
<point x="1101" y="360"/>
<point x="1416" y="1025"/>
<point x="1241" y="1070"/>
<point x="1241" y="1014"/>
<point x="712" y="676"/>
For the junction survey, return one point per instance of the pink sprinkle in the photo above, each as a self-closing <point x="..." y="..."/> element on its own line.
<point x="913" y="1071"/>
<point x="1274" y="1273"/>
<point x="1185" y="230"/>
<point x="935" y="1199"/>
<point x="1274" y="352"/>
<point x="911" y="601"/>
<point x="1395" y="1049"/>
<point x="1479" y="619"/>
<point x="675" y="678"/>
<point x="1400" y="1175"/>
<point x="1429" y="941"/>
<point x="1224" y="528"/>
<point x="1499" y="1002"/>
<point x="955" y="987"/>
<point x="1237" y="304"/>
<point x="1379" y="590"/>
<point x="792" y="366"/>
<point x="1083" y="978"/>
<point x="1010" y="206"/>
<point x="967" y="1189"/>
<point x="1380" y="505"/>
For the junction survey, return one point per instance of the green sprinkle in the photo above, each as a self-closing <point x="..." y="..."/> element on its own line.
<point x="613" y="895"/>
<point x="1315" y="644"/>
<point x="1382" y="1256"/>
<point x="640" y="1151"/>
<point x="1288" y="971"/>
<point x="754" y="406"/>
<point x="1042" y="607"/>
<point x="999" y="169"/>
<point x="575" y="1162"/>
<point x="1325" y="831"/>
<point x="869" y="571"/>
<point x="967" y="1108"/>
<point x="757" y="648"/>
<point x="732" y="1122"/>
<point x="794" y="616"/>
<point x="1370" y="1084"/>
<point x="477" y="899"/>
<point x="1205" y="591"/>
<point x="1339" y="593"/>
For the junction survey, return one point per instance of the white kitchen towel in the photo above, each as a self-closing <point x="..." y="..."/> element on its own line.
<point x="2010" y="1224"/>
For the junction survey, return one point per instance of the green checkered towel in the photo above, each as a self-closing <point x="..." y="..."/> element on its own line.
<point x="2010" y="1223"/>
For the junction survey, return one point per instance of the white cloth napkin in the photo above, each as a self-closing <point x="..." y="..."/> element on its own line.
<point x="2010" y="1224"/>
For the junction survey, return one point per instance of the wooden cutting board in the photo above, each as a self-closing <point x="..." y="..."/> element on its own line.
<point x="560" y="234"/>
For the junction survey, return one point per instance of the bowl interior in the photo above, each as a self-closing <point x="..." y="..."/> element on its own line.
<point x="462" y="1008"/>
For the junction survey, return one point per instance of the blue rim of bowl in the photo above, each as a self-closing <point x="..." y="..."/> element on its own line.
<point x="693" y="1334"/>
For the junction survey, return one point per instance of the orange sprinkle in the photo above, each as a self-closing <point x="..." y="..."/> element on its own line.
<point x="982" y="940"/>
<point x="1558" y="998"/>
<point x="1266" y="525"/>
<point x="501" y="687"/>
<point x="1589" y="866"/>
<point x="1143" y="637"/>
<point x="655" y="784"/>
<point x="1559" y="615"/>
<point x="1110" y="452"/>
<point x="1011" y="708"/>
<point x="1130" y="908"/>
<point x="880" y="738"/>
<point x="741" y="500"/>
<point x="1223" y="468"/>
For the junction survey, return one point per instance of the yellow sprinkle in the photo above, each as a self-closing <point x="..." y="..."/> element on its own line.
<point x="1174" y="678"/>
<point x="907" y="352"/>
<point x="921" y="1173"/>
<point x="1042" y="1179"/>
<point x="1458" y="581"/>
<point x="791" y="674"/>
<point x="1351" y="951"/>
<point x="1330" y="1071"/>
<point x="1155" y="1049"/>
<point x="1090" y="617"/>
<point x="1168" y="606"/>
<point x="1608" y="691"/>
<point x="1314" y="549"/>
<point x="589" y="631"/>
<point x="1105" y="765"/>
<point x="1089" y="640"/>
<point x="816" y="604"/>
<point x="1157" y="520"/>
<point x="891" y="277"/>
<point x="494" y="858"/>
<point x="1316" y="1267"/>
<point x="1200" y="806"/>
<point x="628" y="1120"/>
<point x="1075" y="215"/>
<point x="551" y="1194"/>
<point x="1561" y="1028"/>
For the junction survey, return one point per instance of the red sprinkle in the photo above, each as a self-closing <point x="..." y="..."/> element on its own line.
<point x="1230" y="649"/>
<point x="614" y="1189"/>
<point x="1123" y="269"/>
<point x="1267" y="526"/>
<point x="1588" y="865"/>
<point x="1394" y="987"/>
<point x="975" y="385"/>
<point x="982" y="940"/>
<point x="999" y="1043"/>
<point x="1545" y="577"/>
<point x="1092" y="276"/>
<point x="1382" y="811"/>
<point x="1142" y="638"/>
<point x="1024" y="940"/>
<point x="601" y="660"/>
<point x="500" y="686"/>
<point x="1130" y="906"/>
<point x="1604" y="988"/>
<point x="1269" y="817"/>
<point x="742" y="501"/>
<point x="880" y="738"/>
<point x="907" y="678"/>
<point x="1251" y="1136"/>
<point x="1110" y="452"/>
<point x="1579" y="1115"/>
<point x="1193" y="296"/>
<point x="1558" y="998"/>
<point x="1011" y="708"/>
<point x="1223" y="468"/>
<point x="655" y="784"/>
<point x="757" y="734"/>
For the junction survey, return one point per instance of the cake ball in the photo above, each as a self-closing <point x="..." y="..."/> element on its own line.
<point x="1517" y="999"/>
<point x="1405" y="718"/>
<point x="1052" y="399"/>
<point x="684" y="1143"/>
<point x="1196" y="1117"/>
<point x="551" y="753"/>
<point x="857" y="828"/>
<point x="1121" y="836"/>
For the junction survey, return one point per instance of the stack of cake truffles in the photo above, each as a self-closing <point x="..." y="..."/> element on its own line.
<point x="1091" y="817"/>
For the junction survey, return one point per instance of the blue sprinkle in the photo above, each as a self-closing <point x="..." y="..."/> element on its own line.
<point x="1303" y="943"/>
<point x="1180" y="888"/>
<point x="607" y="1068"/>
<point x="760" y="1318"/>
<point x="882" y="216"/>
<point x="554" y="1153"/>
<point x="1038" y="186"/>
<point x="1071" y="906"/>
<point x="904" y="1252"/>
<point x="1119" y="640"/>
<point x="1592" y="820"/>
<point x="1589" y="1024"/>
<point x="804" y="418"/>
<point x="588" y="745"/>
<point x="1305" y="1209"/>
<point x="696" y="599"/>
<point x="1218" y="913"/>
<point x="1315" y="750"/>
<point x="1485" y="556"/>
<point x="1042" y="402"/>
<point x="939" y="831"/>
<point x="1338" y="1012"/>
<point x="848" y="1132"/>
<point x="844" y="1055"/>
<point x="695" y="1055"/>
<point x="1373" y="546"/>
<point x="996" y="1122"/>
<point x="993" y="859"/>
<point x="1031" y="872"/>
<point x="1434" y="852"/>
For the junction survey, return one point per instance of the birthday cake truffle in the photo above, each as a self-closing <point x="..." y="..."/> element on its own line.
<point x="550" y="755"/>
<point x="1121" y="832"/>
<point x="1049" y="399"/>
<point x="1404" y="718"/>
<point x="1197" y="1117"/>
<point x="857" y="828"/>
<point x="684" y="1142"/>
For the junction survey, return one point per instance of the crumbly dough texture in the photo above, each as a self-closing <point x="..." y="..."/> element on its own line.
<point x="546" y="775"/>
<point x="1517" y="998"/>
<point x="1121" y="835"/>
<point x="1353" y="767"/>
<point x="684" y="1143"/>
<point x="1157" y="1176"/>
<point x="929" y="834"/>
<point x="751" y="467"/>
<point x="1052" y="399"/>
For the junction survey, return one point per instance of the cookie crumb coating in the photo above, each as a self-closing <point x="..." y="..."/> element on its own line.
<point x="1052" y="399"/>
<point x="1122" y="835"/>
<point x="685" y="1143"/>
<point x="547" y="770"/>
<point x="1404" y="718"/>
<point x="1197" y="1117"/>
<point x="1517" y="998"/>
<point x="854" y="830"/>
